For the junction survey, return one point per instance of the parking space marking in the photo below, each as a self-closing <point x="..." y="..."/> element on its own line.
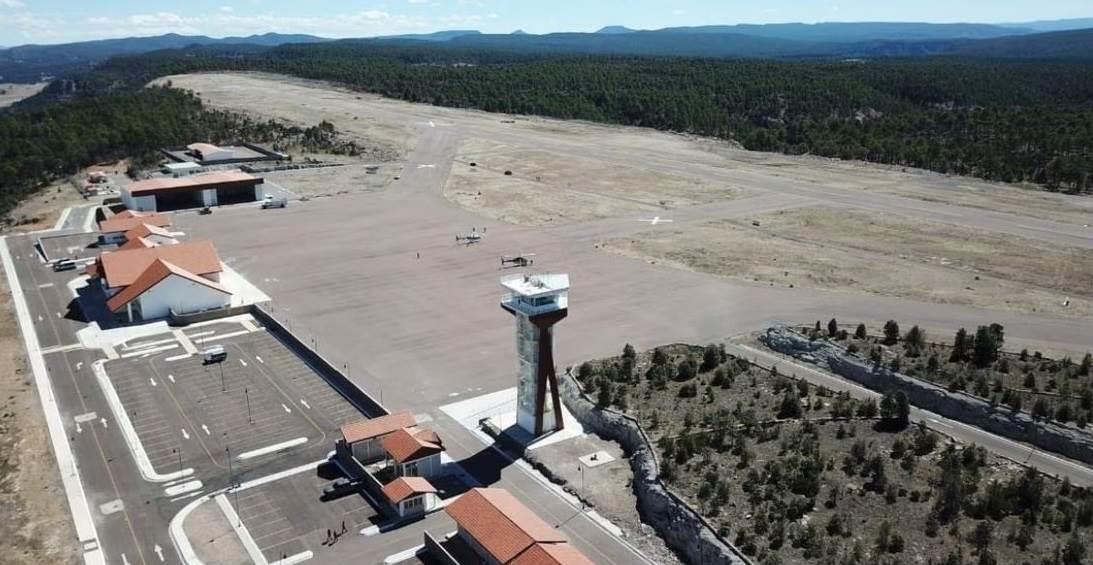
<point x="273" y="448"/>
<point x="205" y="429"/>
<point x="287" y="409"/>
<point x="244" y="363"/>
<point x="152" y="380"/>
<point x="306" y="405"/>
<point x="171" y="378"/>
<point x="259" y="358"/>
<point x="185" y="434"/>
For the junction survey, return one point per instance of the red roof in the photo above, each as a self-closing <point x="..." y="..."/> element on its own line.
<point x="145" y="230"/>
<point x="192" y="181"/>
<point x="499" y="523"/>
<point x="362" y="430"/>
<point x="127" y="220"/>
<point x="135" y="243"/>
<point x="403" y="446"/>
<point x="156" y="272"/>
<point x="404" y="487"/>
<point x="123" y="268"/>
<point x="551" y="554"/>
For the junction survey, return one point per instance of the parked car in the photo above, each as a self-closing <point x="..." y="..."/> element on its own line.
<point x="64" y="265"/>
<point x="214" y="354"/>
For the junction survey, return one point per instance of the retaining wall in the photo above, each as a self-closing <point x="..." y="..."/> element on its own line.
<point x="955" y="405"/>
<point x="683" y="529"/>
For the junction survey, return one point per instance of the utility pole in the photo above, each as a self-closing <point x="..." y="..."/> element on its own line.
<point x="246" y="394"/>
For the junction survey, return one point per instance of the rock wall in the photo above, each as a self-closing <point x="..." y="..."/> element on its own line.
<point x="681" y="527"/>
<point x="958" y="406"/>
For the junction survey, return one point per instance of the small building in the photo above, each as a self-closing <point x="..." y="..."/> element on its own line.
<point x="113" y="229"/>
<point x="183" y="169"/>
<point x="503" y="531"/>
<point x="146" y="235"/>
<point x="411" y="496"/>
<point x="150" y="283"/>
<point x="363" y="438"/>
<point x="414" y="451"/>
<point x="194" y="191"/>
<point x="208" y="152"/>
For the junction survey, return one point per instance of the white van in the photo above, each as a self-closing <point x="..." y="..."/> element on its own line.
<point x="64" y="265"/>
<point x="214" y="354"/>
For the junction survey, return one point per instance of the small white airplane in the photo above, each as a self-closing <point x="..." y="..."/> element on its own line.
<point x="655" y="220"/>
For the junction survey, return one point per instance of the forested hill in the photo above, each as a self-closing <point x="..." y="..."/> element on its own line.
<point x="1002" y="120"/>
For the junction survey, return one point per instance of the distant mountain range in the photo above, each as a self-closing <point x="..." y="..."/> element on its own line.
<point x="1069" y="39"/>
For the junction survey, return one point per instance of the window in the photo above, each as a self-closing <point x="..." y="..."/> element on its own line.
<point x="410" y="469"/>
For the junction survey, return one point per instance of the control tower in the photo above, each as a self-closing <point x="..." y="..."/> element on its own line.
<point x="538" y="302"/>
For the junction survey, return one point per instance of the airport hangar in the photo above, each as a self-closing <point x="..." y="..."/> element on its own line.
<point x="195" y="191"/>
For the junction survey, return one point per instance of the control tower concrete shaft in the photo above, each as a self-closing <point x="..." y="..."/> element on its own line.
<point x="537" y="302"/>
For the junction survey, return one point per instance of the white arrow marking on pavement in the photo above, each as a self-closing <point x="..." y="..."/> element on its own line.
<point x="259" y="359"/>
<point x="243" y="362"/>
<point x="39" y="317"/>
<point x="151" y="380"/>
<point x="431" y="124"/>
<point x="306" y="405"/>
<point x="103" y="420"/>
<point x="58" y="314"/>
<point x="124" y="560"/>
<point x="171" y="378"/>
<point x="286" y="408"/>
<point x="205" y="429"/>
<point x="79" y="430"/>
<point x="159" y="552"/>
<point x="78" y="365"/>
<point x="185" y="434"/>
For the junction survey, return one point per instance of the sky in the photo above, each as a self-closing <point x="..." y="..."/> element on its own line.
<point x="58" y="21"/>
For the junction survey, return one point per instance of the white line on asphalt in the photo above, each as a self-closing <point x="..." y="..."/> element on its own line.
<point x="40" y="318"/>
<point x="240" y="530"/>
<point x="79" y="430"/>
<point x="273" y="448"/>
<point x="185" y="496"/>
<point x="287" y="409"/>
<point x="259" y="359"/>
<point x="159" y="552"/>
<point x="103" y="420"/>
<point x="64" y="218"/>
<point x="183" y="488"/>
<point x="171" y="378"/>
<point x="45" y="285"/>
<point x="306" y="405"/>
<point x="185" y="434"/>
<point x="121" y="418"/>
<point x="59" y="315"/>
<point x="294" y="559"/>
<point x="152" y="380"/>
<point x="243" y="362"/>
<point x="90" y="416"/>
<point x="205" y="429"/>
<point x="66" y="463"/>
<point x="124" y="560"/>
<point x="177" y="357"/>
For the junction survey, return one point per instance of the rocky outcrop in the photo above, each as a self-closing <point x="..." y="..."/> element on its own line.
<point x="958" y="406"/>
<point x="681" y="527"/>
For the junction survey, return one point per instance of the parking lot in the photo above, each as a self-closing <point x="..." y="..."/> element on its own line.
<point x="260" y="401"/>
<point x="286" y="517"/>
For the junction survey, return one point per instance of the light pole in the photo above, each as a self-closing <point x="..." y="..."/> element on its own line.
<point x="581" y="469"/>
<point x="246" y="394"/>
<point x="179" y="452"/>
<point x="223" y="387"/>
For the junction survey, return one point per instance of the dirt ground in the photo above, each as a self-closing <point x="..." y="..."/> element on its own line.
<point x="565" y="189"/>
<point x="394" y="124"/>
<point x="213" y="537"/>
<point x="607" y="488"/>
<point x="12" y="93"/>
<point x="254" y="94"/>
<point x="42" y="210"/>
<point x="845" y="250"/>
<point x="37" y="527"/>
<point x="330" y="181"/>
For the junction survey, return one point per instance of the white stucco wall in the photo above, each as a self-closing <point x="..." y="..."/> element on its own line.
<point x="208" y="197"/>
<point x="182" y="296"/>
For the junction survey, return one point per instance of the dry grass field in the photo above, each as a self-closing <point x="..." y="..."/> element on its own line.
<point x="853" y="251"/>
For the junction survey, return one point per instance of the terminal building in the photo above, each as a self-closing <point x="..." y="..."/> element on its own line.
<point x="148" y="283"/>
<point x="194" y="191"/>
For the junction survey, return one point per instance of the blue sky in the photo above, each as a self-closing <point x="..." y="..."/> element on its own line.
<point x="54" y="21"/>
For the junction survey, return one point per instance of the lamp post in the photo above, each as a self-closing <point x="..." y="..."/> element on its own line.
<point x="246" y="394"/>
